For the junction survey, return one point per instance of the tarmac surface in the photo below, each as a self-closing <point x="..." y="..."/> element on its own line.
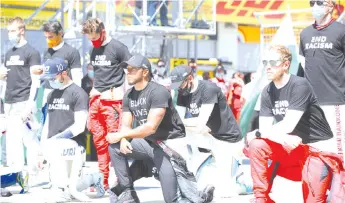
<point x="149" y="191"/>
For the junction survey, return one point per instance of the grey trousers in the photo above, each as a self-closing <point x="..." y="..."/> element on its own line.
<point x="142" y="150"/>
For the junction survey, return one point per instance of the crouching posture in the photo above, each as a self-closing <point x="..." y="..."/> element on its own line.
<point x="148" y="106"/>
<point x="63" y="142"/>
<point x="290" y="101"/>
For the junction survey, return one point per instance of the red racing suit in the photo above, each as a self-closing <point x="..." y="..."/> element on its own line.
<point x="104" y="117"/>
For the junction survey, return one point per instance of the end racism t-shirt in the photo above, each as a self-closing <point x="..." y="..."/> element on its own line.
<point x="19" y="60"/>
<point x="298" y="95"/>
<point x="61" y="107"/>
<point x="66" y="52"/>
<point x="222" y="122"/>
<point x="105" y="61"/>
<point x="324" y="52"/>
<point x="154" y="96"/>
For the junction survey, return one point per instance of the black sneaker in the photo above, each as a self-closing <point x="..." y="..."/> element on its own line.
<point x="128" y="196"/>
<point x="207" y="193"/>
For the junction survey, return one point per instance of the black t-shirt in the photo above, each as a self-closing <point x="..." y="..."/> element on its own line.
<point x="298" y="95"/>
<point x="154" y="96"/>
<point x="324" y="52"/>
<point x="86" y="84"/>
<point x="19" y="60"/>
<point x="66" y="52"/>
<point x="61" y="107"/>
<point x="105" y="61"/>
<point x="222" y="122"/>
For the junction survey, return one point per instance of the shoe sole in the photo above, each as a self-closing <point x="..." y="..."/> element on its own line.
<point x="209" y="190"/>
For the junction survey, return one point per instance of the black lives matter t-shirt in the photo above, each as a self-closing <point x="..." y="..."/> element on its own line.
<point x="66" y="52"/>
<point x="19" y="60"/>
<point x="154" y="96"/>
<point x="105" y="61"/>
<point x="324" y="52"/>
<point x="61" y="107"/>
<point x="222" y="122"/>
<point x="298" y="95"/>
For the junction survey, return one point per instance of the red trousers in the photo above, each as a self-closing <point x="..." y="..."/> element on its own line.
<point x="104" y="117"/>
<point x="297" y="165"/>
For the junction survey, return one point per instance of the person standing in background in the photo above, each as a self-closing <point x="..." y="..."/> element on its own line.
<point x="322" y="46"/>
<point x="108" y="88"/>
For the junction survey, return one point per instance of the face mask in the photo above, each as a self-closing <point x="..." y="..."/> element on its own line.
<point x="14" y="38"/>
<point x="318" y="12"/>
<point x="53" y="42"/>
<point x="161" y="71"/>
<point x="91" y="73"/>
<point x="220" y="75"/>
<point x="98" y="43"/>
<point x="55" y="84"/>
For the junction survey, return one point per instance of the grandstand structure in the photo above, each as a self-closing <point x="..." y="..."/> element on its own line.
<point x="186" y="17"/>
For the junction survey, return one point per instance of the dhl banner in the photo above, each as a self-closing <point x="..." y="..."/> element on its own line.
<point x="232" y="11"/>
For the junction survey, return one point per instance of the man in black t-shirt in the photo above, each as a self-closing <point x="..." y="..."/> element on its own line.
<point x="290" y="101"/>
<point x="322" y="46"/>
<point x="21" y="60"/>
<point x="108" y="88"/>
<point x="207" y="116"/>
<point x="63" y="140"/>
<point x="148" y="107"/>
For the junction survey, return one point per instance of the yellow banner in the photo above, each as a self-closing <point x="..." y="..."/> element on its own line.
<point x="232" y="11"/>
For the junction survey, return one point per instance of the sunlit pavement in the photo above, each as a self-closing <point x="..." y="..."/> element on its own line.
<point x="149" y="191"/>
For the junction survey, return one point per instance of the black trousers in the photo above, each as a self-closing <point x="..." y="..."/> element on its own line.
<point x="143" y="150"/>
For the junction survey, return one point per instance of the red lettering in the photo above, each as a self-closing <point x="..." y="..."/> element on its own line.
<point x="222" y="10"/>
<point x="275" y="16"/>
<point x="252" y="4"/>
<point x="276" y="4"/>
<point x="236" y="3"/>
<point x="242" y="13"/>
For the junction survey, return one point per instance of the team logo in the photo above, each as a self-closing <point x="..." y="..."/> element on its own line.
<point x="59" y="67"/>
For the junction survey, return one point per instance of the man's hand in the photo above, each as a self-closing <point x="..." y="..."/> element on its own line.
<point x="37" y="70"/>
<point x="3" y="76"/>
<point x="3" y="72"/>
<point x="94" y="92"/>
<point x="290" y="142"/>
<point x="125" y="146"/>
<point x="204" y="130"/>
<point x="114" y="137"/>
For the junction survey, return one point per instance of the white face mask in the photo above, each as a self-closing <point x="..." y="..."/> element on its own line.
<point x="161" y="71"/>
<point x="14" y="38"/>
<point x="55" y="84"/>
<point x="318" y="12"/>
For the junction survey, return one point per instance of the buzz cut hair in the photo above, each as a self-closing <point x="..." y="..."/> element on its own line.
<point x="20" y="22"/>
<point x="94" y="25"/>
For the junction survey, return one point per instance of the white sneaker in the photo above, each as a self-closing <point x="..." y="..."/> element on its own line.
<point x="98" y="184"/>
<point x="59" y="195"/>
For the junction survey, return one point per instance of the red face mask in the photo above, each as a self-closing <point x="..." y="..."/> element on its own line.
<point x="98" y="43"/>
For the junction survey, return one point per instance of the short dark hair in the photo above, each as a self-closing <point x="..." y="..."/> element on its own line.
<point x="17" y="20"/>
<point x="53" y="27"/>
<point x="94" y="25"/>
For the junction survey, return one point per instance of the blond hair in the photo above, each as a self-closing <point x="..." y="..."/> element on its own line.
<point x="283" y="51"/>
<point x="94" y="25"/>
<point x="19" y="21"/>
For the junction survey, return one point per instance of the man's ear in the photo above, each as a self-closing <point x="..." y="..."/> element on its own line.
<point x="287" y="65"/>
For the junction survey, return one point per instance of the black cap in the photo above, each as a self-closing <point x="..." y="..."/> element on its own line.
<point x="138" y="61"/>
<point x="178" y="75"/>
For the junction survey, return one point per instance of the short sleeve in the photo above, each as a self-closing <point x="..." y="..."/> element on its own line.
<point x="75" y="59"/>
<point x="266" y="104"/>
<point x="160" y="98"/>
<point x="123" y="53"/>
<point x="125" y="102"/>
<point x="81" y="100"/>
<point x="301" y="97"/>
<point x="301" y="47"/>
<point x="210" y="94"/>
<point x="35" y="58"/>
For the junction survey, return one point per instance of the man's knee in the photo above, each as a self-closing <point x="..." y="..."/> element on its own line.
<point x="256" y="146"/>
<point x="114" y="148"/>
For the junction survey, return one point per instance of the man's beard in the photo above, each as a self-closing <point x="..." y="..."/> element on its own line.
<point x="135" y="81"/>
